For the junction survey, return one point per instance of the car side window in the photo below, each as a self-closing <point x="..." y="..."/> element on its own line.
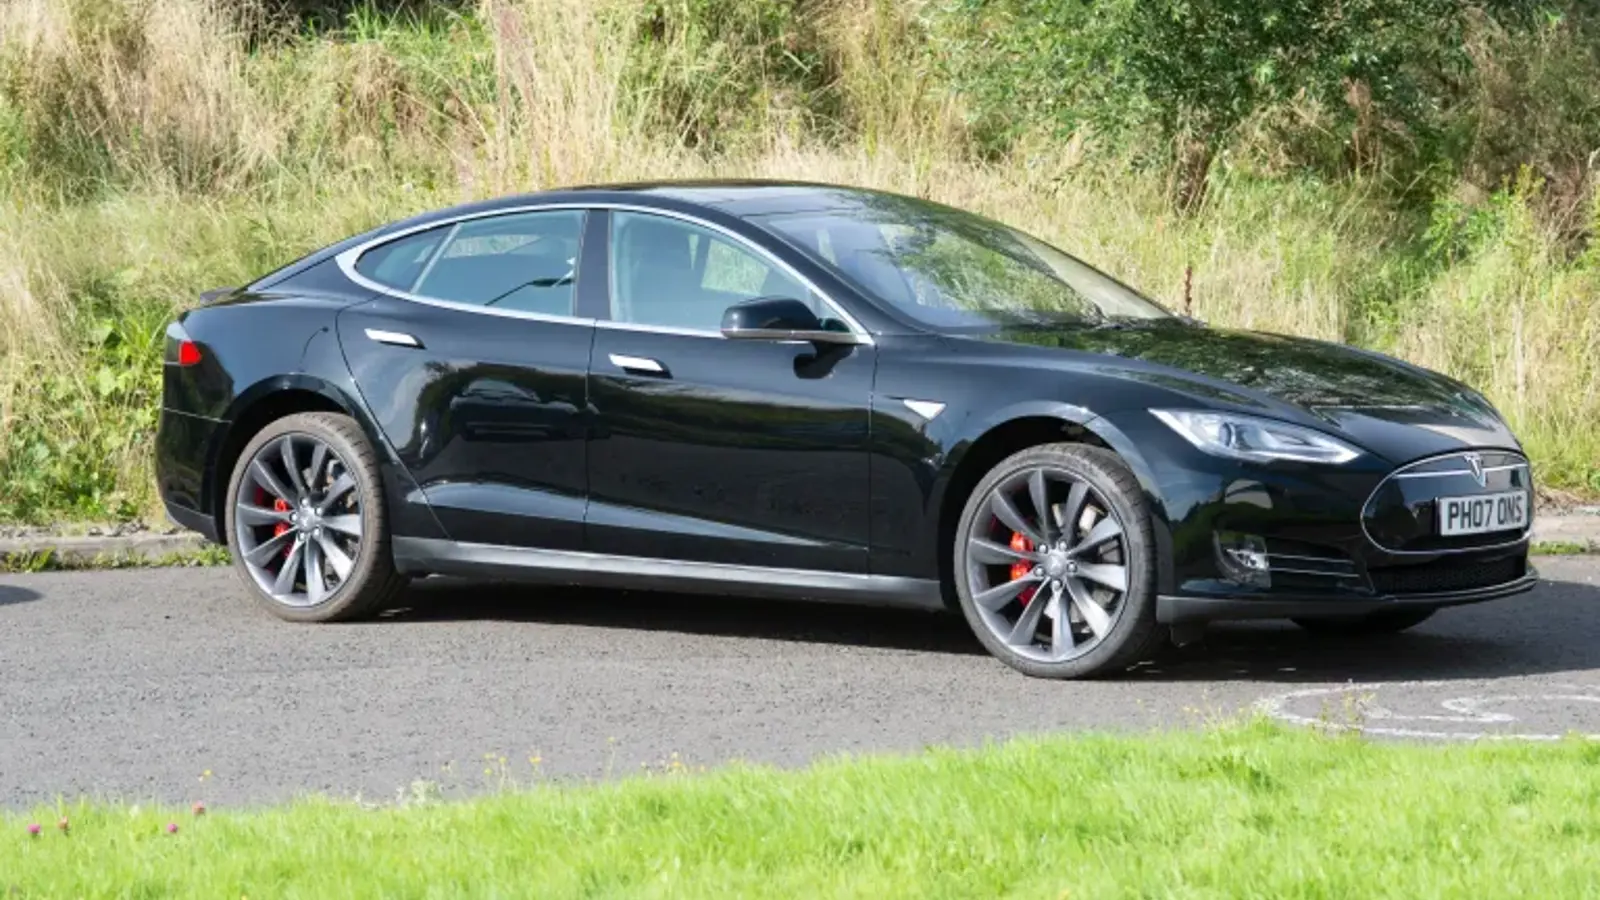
<point x="675" y="274"/>
<point x="525" y="262"/>
<point x="398" y="263"/>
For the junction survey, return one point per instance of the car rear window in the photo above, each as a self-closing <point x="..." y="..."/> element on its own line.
<point x="522" y="261"/>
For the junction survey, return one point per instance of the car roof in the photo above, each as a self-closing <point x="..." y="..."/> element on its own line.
<point x="741" y="198"/>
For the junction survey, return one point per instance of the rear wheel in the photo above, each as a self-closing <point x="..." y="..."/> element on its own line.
<point x="306" y="520"/>
<point x="1055" y="563"/>
<point x="1385" y="622"/>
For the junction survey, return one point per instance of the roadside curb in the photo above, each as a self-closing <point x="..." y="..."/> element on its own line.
<point x="1581" y="530"/>
<point x="90" y="550"/>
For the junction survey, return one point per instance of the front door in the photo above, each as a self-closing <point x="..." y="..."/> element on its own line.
<point x="474" y="366"/>
<point x="714" y="450"/>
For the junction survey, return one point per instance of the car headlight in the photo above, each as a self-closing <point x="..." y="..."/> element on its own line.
<point x="1261" y="440"/>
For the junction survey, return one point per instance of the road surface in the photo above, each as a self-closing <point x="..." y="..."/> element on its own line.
<point x="132" y="684"/>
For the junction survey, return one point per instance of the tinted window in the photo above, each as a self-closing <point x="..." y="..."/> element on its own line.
<point x="525" y="262"/>
<point x="398" y="263"/>
<point x="675" y="274"/>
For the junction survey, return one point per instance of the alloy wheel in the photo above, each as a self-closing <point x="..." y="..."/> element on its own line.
<point x="299" y="519"/>
<point x="1047" y="564"/>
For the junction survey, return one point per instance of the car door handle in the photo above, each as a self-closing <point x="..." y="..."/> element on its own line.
<point x="638" y="365"/>
<point x="397" y="338"/>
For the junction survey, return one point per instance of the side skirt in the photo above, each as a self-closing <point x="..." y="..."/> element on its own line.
<point x="567" y="567"/>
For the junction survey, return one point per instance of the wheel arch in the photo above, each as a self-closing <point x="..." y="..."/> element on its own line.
<point x="1016" y="429"/>
<point x="254" y="409"/>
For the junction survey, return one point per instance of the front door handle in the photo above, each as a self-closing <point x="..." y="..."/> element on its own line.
<point x="396" y="338"/>
<point x="638" y="365"/>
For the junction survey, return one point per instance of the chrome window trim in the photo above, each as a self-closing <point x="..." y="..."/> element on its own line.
<point x="347" y="264"/>
<point x="438" y="252"/>
<point x="1400" y="474"/>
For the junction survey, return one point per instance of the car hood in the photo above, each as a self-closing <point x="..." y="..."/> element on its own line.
<point x="1386" y="405"/>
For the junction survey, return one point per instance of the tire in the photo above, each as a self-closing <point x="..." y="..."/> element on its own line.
<point x="1125" y="630"/>
<point x="1385" y="622"/>
<point x="369" y="581"/>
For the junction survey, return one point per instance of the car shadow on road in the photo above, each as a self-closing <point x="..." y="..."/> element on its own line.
<point x="11" y="595"/>
<point x="441" y="600"/>
<point x="1550" y="630"/>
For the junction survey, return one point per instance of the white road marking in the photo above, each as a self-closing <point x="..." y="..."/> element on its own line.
<point x="1460" y="710"/>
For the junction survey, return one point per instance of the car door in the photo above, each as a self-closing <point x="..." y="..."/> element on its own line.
<point x="750" y="452"/>
<point x="472" y="361"/>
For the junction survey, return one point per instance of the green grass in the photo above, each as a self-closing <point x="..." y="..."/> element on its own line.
<point x="1561" y="548"/>
<point x="1250" y="810"/>
<point x="50" y="561"/>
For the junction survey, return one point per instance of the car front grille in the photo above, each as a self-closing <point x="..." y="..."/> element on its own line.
<point x="1447" y="575"/>
<point x="1401" y="515"/>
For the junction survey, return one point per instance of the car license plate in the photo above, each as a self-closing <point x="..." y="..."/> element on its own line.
<point x="1485" y="512"/>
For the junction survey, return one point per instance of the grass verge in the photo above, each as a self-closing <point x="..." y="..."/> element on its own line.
<point x="50" y="561"/>
<point x="1248" y="810"/>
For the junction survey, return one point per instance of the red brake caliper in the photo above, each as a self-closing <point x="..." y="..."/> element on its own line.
<point x="279" y="505"/>
<point x="1021" y="569"/>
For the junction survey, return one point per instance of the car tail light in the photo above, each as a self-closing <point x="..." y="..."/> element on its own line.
<point x="181" y="349"/>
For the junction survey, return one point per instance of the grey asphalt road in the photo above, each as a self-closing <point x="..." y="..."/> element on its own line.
<point x="131" y="684"/>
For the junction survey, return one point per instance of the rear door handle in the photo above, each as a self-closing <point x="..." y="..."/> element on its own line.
<point x="638" y="365"/>
<point x="397" y="338"/>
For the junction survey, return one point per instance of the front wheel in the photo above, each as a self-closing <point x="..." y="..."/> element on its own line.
<point x="306" y="520"/>
<point x="1055" y="563"/>
<point x="1385" y="622"/>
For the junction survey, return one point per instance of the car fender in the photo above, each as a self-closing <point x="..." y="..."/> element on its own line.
<point x="1101" y="428"/>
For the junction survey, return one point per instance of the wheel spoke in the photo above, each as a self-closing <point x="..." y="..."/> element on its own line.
<point x="316" y="585"/>
<point x="1039" y="493"/>
<point x="1114" y="577"/>
<point x="263" y="476"/>
<point x="1061" y="642"/>
<point x="262" y="553"/>
<point x="989" y="553"/>
<point x="1008" y="515"/>
<point x="999" y="595"/>
<point x="1093" y="613"/>
<point x="339" y="488"/>
<point x="1104" y="530"/>
<point x="292" y="465"/>
<point x="284" y="585"/>
<point x="1072" y="510"/>
<point x="250" y="514"/>
<point x="342" y="564"/>
<point x="1027" y="623"/>
<point x="346" y="524"/>
<point x="319" y="458"/>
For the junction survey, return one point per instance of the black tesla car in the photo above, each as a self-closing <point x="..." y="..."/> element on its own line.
<point x="806" y="391"/>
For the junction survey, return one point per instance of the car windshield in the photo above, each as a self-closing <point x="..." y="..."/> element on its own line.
<point x="956" y="271"/>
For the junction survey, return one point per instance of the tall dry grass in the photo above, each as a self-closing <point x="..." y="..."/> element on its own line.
<point x="148" y="151"/>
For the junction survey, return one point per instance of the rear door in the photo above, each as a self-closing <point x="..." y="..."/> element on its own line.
<point x="474" y="364"/>
<point x="714" y="450"/>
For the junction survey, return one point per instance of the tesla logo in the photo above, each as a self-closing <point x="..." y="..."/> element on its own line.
<point x="1475" y="462"/>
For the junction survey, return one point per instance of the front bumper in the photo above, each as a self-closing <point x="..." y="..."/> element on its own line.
<point x="1174" y="610"/>
<point x="1338" y="540"/>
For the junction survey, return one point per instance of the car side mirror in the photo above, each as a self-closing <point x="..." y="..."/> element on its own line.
<point x="780" y="319"/>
